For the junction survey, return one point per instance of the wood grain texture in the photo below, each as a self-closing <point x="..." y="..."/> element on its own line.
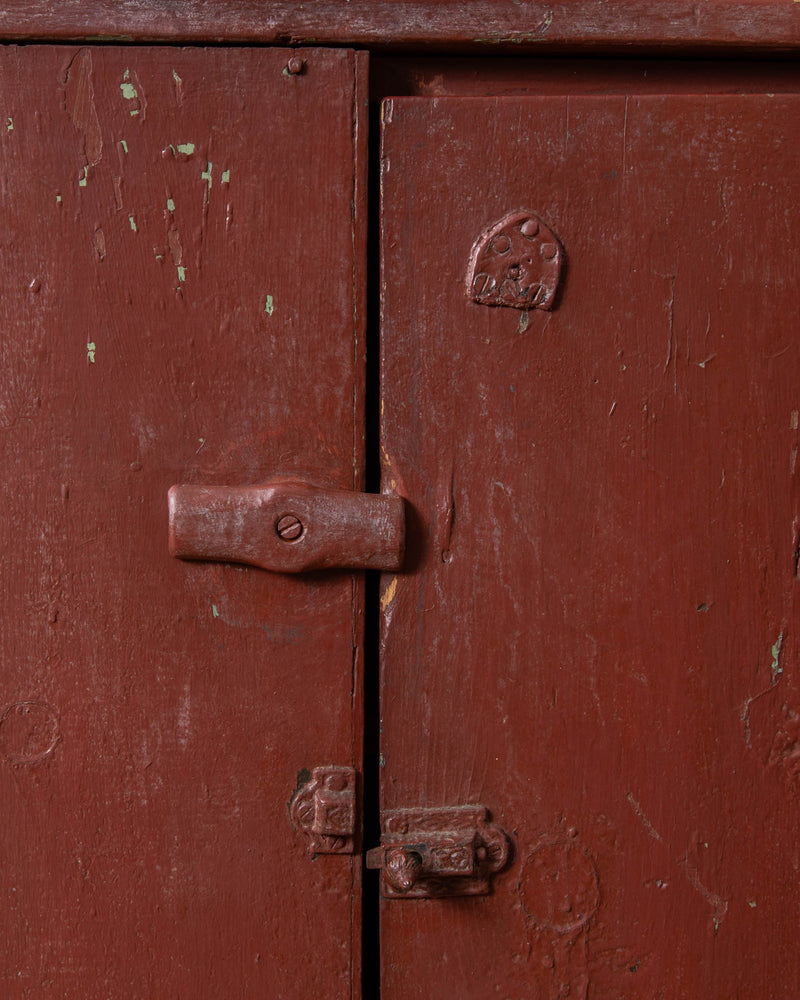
<point x="515" y="26"/>
<point x="180" y="234"/>
<point x="597" y="636"/>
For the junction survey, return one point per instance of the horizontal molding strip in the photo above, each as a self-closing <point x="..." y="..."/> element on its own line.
<point x="498" y="26"/>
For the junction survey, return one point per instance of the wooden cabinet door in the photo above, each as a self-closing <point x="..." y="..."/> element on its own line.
<point x="182" y="260"/>
<point x="597" y="634"/>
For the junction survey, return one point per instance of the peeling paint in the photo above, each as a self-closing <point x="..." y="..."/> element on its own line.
<point x="226" y="176"/>
<point x="651" y="830"/>
<point x="99" y="242"/>
<point x="9" y="124"/>
<point x="170" y="205"/>
<point x="187" y="148"/>
<point x="132" y="222"/>
<point x="79" y="104"/>
<point x="207" y="175"/>
<point x="214" y="611"/>
<point x="717" y="903"/>
<point x="389" y="594"/>
<point x="178" y="87"/>
<point x="776" y="667"/>
<point x="130" y="92"/>
<point x="181" y="273"/>
<point x="269" y="305"/>
<point x="124" y="146"/>
<point x="90" y="351"/>
<point x="58" y="199"/>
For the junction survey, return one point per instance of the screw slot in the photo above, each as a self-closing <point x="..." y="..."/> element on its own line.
<point x="289" y="527"/>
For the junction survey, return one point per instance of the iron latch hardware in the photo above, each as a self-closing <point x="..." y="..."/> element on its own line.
<point x="324" y="809"/>
<point x="287" y="525"/>
<point x="439" y="852"/>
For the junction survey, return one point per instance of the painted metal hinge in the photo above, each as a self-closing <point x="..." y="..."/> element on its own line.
<point x="452" y="851"/>
<point x="324" y="809"/>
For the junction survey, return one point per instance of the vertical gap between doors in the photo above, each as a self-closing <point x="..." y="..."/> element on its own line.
<point x="370" y="951"/>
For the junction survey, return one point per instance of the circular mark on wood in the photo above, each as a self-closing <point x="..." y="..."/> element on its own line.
<point x="560" y="887"/>
<point x="28" y="732"/>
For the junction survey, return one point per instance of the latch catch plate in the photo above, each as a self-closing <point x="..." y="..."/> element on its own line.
<point x="324" y="809"/>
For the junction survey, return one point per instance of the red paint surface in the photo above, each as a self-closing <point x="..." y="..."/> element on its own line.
<point x="489" y="26"/>
<point x="596" y="634"/>
<point x="162" y="322"/>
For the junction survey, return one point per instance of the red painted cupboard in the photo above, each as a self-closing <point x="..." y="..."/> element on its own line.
<point x="497" y="299"/>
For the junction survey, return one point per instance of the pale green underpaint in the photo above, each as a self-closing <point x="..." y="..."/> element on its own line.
<point x="128" y="90"/>
<point x="124" y="146"/>
<point x="90" y="349"/>
<point x="58" y="199"/>
<point x="206" y="175"/>
<point x="777" y="669"/>
<point x="181" y="273"/>
<point x="269" y="306"/>
<point x="134" y="113"/>
<point x="176" y="78"/>
<point x="10" y="124"/>
<point x="132" y="222"/>
<point x="215" y="611"/>
<point x="186" y="147"/>
<point x="170" y="205"/>
<point x="83" y="180"/>
<point x="226" y="176"/>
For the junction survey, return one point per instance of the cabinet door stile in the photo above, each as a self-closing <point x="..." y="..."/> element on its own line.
<point x="182" y="303"/>
<point x="596" y="636"/>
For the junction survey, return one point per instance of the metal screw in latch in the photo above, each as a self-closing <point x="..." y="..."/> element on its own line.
<point x="289" y="527"/>
<point x="295" y="66"/>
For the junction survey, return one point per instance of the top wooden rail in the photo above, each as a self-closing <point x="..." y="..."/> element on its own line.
<point x="466" y="26"/>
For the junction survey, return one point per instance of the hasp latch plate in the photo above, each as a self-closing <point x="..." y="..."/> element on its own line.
<point x="449" y="851"/>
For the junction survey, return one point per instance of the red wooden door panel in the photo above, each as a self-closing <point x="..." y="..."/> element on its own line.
<point x="597" y="634"/>
<point x="181" y="241"/>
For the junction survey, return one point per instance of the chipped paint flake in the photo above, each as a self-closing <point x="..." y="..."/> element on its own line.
<point x="170" y="205"/>
<point x="214" y="611"/>
<point x="187" y="148"/>
<point x="9" y="124"/>
<point x="124" y="146"/>
<point x="269" y="305"/>
<point x="128" y="90"/>
<point x="226" y="176"/>
<point x="132" y="222"/>
<point x="58" y="199"/>
<point x="90" y="351"/>
<point x="389" y="594"/>
<point x="181" y="273"/>
<point x="84" y="178"/>
<point x="207" y="175"/>
<point x="777" y="669"/>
